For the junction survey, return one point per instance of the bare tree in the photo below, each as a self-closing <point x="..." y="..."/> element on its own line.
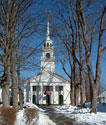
<point x="13" y="16"/>
<point x="67" y="31"/>
<point x="70" y="35"/>
<point x="95" y="81"/>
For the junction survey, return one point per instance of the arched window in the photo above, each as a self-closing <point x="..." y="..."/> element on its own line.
<point x="47" y="44"/>
<point x="44" y="44"/>
<point x="50" y="45"/>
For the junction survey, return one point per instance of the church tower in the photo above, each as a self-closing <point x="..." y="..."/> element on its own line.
<point x="47" y="58"/>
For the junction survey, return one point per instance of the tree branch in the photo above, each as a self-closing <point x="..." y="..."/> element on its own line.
<point x="66" y="71"/>
<point x="103" y="50"/>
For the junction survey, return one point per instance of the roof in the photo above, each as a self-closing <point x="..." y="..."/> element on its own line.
<point x="46" y="77"/>
<point x="61" y="77"/>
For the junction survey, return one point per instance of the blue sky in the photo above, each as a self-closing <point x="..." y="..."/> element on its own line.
<point x="58" y="67"/>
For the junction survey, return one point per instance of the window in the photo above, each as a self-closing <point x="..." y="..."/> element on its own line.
<point x="44" y="44"/>
<point x="47" y="44"/>
<point x="48" y="55"/>
<point x="47" y="88"/>
<point x="60" y="88"/>
<point x="50" y="45"/>
<point x="34" y="88"/>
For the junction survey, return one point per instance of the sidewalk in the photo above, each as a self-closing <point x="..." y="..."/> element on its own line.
<point x="57" y="117"/>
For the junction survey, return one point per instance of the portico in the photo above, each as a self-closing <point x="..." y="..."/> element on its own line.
<point x="39" y="94"/>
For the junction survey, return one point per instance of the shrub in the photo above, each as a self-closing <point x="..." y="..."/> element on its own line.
<point x="31" y="116"/>
<point x="7" y="116"/>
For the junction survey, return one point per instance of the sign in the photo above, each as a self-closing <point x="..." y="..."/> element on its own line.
<point x="47" y="93"/>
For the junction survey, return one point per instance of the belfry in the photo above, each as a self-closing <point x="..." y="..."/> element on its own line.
<point x="47" y="58"/>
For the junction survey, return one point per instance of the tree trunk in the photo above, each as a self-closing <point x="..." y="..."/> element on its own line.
<point x="21" y="99"/>
<point x="76" y="83"/>
<point x="94" y="99"/>
<point x="14" y="81"/>
<point x="72" y="88"/>
<point x="5" y="85"/>
<point x="76" y="95"/>
<point x="72" y="94"/>
<point x="82" y="89"/>
<point x="81" y="69"/>
<point x="19" y="77"/>
<point x="5" y="95"/>
<point x="20" y="90"/>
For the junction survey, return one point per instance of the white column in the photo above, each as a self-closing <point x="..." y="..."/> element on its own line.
<point x="51" y="95"/>
<point x="24" y="95"/>
<point x="54" y="94"/>
<point x="31" y="93"/>
<point x="64" y="97"/>
<point x="41" y="94"/>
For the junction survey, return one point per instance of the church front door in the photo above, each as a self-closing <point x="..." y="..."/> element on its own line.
<point x="60" y="99"/>
<point x="48" y="99"/>
<point x="34" y="99"/>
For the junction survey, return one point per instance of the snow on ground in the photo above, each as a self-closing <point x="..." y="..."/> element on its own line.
<point x="83" y="115"/>
<point x="43" y="118"/>
<point x="20" y="119"/>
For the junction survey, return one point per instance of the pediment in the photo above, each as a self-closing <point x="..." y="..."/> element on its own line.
<point x="48" y="78"/>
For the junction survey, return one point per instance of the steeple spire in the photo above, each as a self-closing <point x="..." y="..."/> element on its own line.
<point x="48" y="31"/>
<point x="47" y="58"/>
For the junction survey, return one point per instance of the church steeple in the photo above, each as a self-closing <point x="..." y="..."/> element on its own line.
<point x="48" y="43"/>
<point x="48" y="31"/>
<point x="47" y="58"/>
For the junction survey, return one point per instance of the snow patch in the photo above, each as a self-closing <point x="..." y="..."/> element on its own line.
<point x="30" y="105"/>
<point x="83" y="115"/>
<point x="19" y="118"/>
<point x="43" y="118"/>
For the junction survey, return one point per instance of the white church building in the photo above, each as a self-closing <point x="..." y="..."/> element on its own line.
<point x="47" y="87"/>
